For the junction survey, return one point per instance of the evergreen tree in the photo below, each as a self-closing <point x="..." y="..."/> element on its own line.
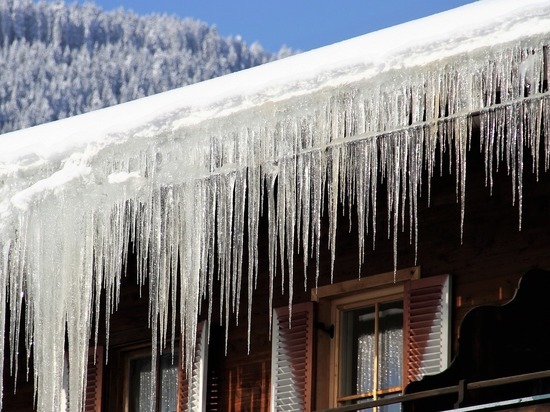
<point x="59" y="60"/>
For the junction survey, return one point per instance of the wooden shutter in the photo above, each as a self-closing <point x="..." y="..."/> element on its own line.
<point x="426" y="326"/>
<point x="292" y="359"/>
<point x="192" y="389"/>
<point x="94" y="380"/>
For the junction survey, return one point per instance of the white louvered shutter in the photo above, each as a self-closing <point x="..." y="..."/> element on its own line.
<point x="192" y="395"/>
<point x="94" y="380"/>
<point x="426" y="326"/>
<point x="292" y="359"/>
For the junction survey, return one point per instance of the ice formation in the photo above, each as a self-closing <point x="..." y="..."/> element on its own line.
<point x="174" y="174"/>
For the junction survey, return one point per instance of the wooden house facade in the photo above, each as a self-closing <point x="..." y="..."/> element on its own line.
<point x="362" y="276"/>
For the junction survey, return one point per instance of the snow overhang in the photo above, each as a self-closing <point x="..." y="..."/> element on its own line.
<point x="163" y="171"/>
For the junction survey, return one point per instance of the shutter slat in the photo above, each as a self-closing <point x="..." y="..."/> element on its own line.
<point x="292" y="358"/>
<point x="426" y="324"/>
<point x="94" y="380"/>
<point x="192" y="390"/>
<point x="423" y="319"/>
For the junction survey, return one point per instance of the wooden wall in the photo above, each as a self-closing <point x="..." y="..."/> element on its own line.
<point x="485" y="266"/>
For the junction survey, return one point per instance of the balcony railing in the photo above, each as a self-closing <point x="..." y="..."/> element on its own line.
<point x="460" y="390"/>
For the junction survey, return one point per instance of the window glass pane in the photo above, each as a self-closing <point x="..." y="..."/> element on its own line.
<point x="168" y="382"/>
<point x="357" y="354"/>
<point x="390" y="343"/>
<point x="140" y="385"/>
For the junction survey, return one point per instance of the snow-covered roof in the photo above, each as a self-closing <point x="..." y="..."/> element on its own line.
<point x="166" y="171"/>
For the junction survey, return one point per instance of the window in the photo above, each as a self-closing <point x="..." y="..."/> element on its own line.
<point x="140" y="375"/>
<point x="132" y="373"/>
<point x="367" y="348"/>
<point x="389" y="329"/>
<point x="371" y="351"/>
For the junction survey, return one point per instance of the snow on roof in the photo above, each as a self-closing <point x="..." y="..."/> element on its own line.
<point x="166" y="171"/>
<point x="427" y="41"/>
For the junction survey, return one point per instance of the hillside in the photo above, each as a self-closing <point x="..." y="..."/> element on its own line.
<point x="59" y="60"/>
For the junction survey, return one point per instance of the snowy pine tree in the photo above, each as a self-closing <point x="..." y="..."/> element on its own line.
<point x="59" y="60"/>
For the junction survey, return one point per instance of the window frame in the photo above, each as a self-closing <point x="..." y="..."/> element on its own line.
<point x="354" y="302"/>
<point x="334" y="300"/>
<point x="117" y="373"/>
<point x="133" y="352"/>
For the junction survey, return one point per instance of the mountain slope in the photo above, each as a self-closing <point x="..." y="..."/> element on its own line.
<point x="59" y="60"/>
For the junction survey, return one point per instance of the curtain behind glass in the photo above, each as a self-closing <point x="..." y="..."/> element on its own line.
<point x="358" y="350"/>
<point x="390" y="346"/>
<point x="169" y="383"/>
<point x="365" y="360"/>
<point x="140" y="385"/>
<point x="366" y="350"/>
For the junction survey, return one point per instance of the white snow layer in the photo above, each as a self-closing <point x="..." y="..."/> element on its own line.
<point x="174" y="173"/>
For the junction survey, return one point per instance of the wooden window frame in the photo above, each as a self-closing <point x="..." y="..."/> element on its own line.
<point x="340" y="306"/>
<point x="348" y="295"/>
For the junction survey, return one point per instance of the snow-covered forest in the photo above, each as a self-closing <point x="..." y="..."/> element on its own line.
<point x="59" y="60"/>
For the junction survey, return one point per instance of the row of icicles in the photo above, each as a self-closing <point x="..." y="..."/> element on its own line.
<point x="193" y="215"/>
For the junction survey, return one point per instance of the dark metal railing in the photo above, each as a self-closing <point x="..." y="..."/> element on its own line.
<point x="460" y="389"/>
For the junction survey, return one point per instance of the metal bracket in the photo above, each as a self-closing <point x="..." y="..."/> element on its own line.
<point x="329" y="330"/>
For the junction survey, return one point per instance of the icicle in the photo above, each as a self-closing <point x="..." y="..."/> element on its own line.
<point x="238" y="241"/>
<point x="281" y="233"/>
<point x="361" y="199"/>
<point x="4" y="258"/>
<point x="333" y="196"/>
<point x="254" y="208"/>
<point x="272" y="235"/>
<point x="315" y="209"/>
<point x="304" y="198"/>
